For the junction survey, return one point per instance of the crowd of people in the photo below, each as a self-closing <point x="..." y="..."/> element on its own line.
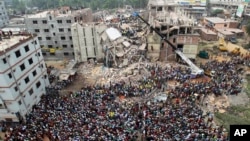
<point x="93" y="113"/>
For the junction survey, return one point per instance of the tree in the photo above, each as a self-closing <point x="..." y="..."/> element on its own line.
<point x="19" y="6"/>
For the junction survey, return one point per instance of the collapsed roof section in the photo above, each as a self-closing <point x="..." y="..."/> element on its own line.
<point x="113" y="33"/>
<point x="122" y="50"/>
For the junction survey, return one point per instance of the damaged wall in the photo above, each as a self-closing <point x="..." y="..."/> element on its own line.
<point x="87" y="41"/>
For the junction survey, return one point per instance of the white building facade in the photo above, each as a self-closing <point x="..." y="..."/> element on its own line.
<point x="4" y="19"/>
<point x="87" y="41"/>
<point x="54" y="30"/>
<point x="23" y="76"/>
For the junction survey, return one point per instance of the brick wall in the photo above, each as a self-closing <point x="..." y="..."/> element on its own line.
<point x="208" y="37"/>
<point x="181" y="39"/>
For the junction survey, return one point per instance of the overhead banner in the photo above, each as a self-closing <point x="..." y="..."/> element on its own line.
<point x="192" y="2"/>
<point x="240" y="10"/>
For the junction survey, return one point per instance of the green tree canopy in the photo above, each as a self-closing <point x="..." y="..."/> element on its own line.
<point x="94" y="4"/>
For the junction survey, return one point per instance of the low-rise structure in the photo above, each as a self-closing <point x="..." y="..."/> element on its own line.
<point x="23" y="75"/>
<point x="229" y="32"/>
<point x="216" y="22"/>
<point x="207" y="34"/>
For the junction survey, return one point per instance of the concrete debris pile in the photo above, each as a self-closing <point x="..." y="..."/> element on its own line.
<point x="122" y="49"/>
<point x="130" y="75"/>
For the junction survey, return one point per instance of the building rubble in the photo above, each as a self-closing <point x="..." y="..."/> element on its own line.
<point x="124" y="45"/>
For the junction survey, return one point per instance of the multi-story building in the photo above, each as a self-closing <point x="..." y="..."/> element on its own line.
<point x="54" y="30"/>
<point x="4" y="19"/>
<point x="87" y="41"/>
<point x="167" y="17"/>
<point x="23" y="75"/>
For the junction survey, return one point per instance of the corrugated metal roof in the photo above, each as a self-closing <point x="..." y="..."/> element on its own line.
<point x="113" y="33"/>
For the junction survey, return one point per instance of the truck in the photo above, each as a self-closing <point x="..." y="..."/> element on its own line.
<point x="222" y="46"/>
<point x="203" y="54"/>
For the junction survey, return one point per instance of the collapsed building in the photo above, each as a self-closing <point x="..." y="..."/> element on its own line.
<point x="177" y="27"/>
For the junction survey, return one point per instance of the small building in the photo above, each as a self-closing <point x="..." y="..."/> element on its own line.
<point x="208" y="35"/>
<point x="216" y="22"/>
<point x="227" y="33"/>
<point x="23" y="75"/>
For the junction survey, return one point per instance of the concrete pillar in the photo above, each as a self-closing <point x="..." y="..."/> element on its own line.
<point x="185" y="30"/>
<point x="168" y="32"/>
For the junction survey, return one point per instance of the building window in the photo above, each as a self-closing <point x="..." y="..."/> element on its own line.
<point x="34" y="42"/>
<point x="20" y="102"/>
<point x="70" y="37"/>
<point x="174" y="40"/>
<point x="46" y="30"/>
<point x="34" y="73"/>
<point x="69" y="29"/>
<point x="4" y="60"/>
<point x="15" y="88"/>
<point x="83" y="32"/>
<point x="26" y="48"/>
<point x="34" y="22"/>
<point x="92" y="30"/>
<point x="10" y="75"/>
<point x="30" y="61"/>
<point x="87" y="51"/>
<point x="44" y="21"/>
<point x="68" y="21"/>
<point x="50" y="46"/>
<point x="31" y="91"/>
<point x="18" y="53"/>
<point x="37" y="30"/>
<point x="61" y="30"/>
<point x="45" y="76"/>
<point x="63" y="38"/>
<point x="39" y="38"/>
<point x="48" y="38"/>
<point x="52" y="26"/>
<point x="85" y="42"/>
<point x="72" y="46"/>
<point x="66" y="53"/>
<point x="27" y="80"/>
<point x="22" y="67"/>
<point x="64" y="46"/>
<point x="73" y="53"/>
<point x="93" y="41"/>
<point x="59" y="21"/>
<point x="44" y="54"/>
<point x="38" y="84"/>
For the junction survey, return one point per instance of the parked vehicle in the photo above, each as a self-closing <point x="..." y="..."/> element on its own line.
<point x="233" y="40"/>
<point x="203" y="54"/>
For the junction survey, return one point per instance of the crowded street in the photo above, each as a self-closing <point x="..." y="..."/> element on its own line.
<point x="94" y="113"/>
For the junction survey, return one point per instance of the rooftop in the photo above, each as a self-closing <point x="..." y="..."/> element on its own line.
<point x="161" y="2"/>
<point x="207" y="31"/>
<point x="218" y="20"/>
<point x="229" y="31"/>
<point x="57" y="13"/>
<point x="12" y="41"/>
<point x="38" y="15"/>
<point x="225" y="31"/>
